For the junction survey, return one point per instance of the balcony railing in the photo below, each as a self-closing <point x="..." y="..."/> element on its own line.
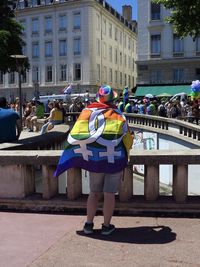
<point x="18" y="174"/>
<point x="175" y="127"/>
<point x="19" y="170"/>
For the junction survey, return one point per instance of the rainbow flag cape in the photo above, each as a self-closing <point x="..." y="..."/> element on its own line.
<point x="98" y="142"/>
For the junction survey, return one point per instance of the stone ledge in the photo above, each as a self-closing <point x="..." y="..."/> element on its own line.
<point x="148" y="157"/>
<point x="57" y="135"/>
<point x="173" y="134"/>
<point x="163" y="119"/>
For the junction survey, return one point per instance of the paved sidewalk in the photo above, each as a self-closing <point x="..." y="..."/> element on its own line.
<point x="26" y="134"/>
<point x="43" y="240"/>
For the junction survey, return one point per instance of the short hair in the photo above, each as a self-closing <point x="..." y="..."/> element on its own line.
<point x="3" y="102"/>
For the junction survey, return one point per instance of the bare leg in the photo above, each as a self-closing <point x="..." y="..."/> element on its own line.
<point x="28" y="122"/>
<point x="50" y="126"/>
<point x="92" y="204"/>
<point x="31" y="124"/>
<point x="108" y="207"/>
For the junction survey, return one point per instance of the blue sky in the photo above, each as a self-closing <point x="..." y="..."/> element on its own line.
<point x="117" y="4"/>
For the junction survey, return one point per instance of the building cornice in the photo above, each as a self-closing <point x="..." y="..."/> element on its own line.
<point x="167" y="61"/>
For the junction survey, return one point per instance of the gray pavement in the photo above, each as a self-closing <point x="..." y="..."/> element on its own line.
<point x="26" y="134"/>
<point x="43" y="240"/>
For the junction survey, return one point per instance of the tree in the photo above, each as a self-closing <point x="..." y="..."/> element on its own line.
<point x="185" y="16"/>
<point x="11" y="42"/>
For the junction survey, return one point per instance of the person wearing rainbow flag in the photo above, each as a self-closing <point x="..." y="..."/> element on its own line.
<point x="99" y="142"/>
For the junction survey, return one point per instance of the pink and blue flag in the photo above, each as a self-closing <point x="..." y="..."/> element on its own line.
<point x="67" y="89"/>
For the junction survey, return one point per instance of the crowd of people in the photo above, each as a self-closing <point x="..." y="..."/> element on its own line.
<point x="184" y="109"/>
<point x="54" y="112"/>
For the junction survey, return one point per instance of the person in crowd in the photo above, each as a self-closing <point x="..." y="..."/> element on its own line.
<point x="151" y="109"/>
<point x="141" y="107"/>
<point x="183" y="108"/>
<point x="51" y="105"/>
<point x="16" y="104"/>
<point x="30" y="118"/>
<point x="169" y="109"/>
<point x="79" y="106"/>
<point x="61" y="107"/>
<point x="87" y="102"/>
<point x="27" y="112"/>
<point x="135" y="107"/>
<point x="175" y="111"/>
<point x="39" y="114"/>
<point x="55" y="118"/>
<point x="10" y="123"/>
<point x="128" y="107"/>
<point x="86" y="97"/>
<point x="162" y="111"/>
<point x="12" y="105"/>
<point x="178" y="103"/>
<point x="188" y="111"/>
<point x="71" y="107"/>
<point x="46" y="107"/>
<point x="182" y="102"/>
<point x="121" y="105"/>
<point x="196" y="111"/>
<point x="99" y="142"/>
<point x="76" y="106"/>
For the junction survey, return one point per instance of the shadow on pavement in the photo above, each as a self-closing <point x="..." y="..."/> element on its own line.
<point x="136" y="235"/>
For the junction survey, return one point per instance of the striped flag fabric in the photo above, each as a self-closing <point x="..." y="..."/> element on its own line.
<point x="67" y="89"/>
<point x="97" y="142"/>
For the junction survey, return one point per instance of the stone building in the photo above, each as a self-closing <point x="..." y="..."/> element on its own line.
<point x="84" y="43"/>
<point x="164" y="58"/>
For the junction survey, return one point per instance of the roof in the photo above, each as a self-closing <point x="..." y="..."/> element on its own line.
<point x="160" y="89"/>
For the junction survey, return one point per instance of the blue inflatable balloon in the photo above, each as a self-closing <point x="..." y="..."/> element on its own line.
<point x="195" y="86"/>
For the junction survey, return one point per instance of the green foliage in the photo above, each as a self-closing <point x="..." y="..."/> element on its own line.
<point x="185" y="16"/>
<point x="11" y="42"/>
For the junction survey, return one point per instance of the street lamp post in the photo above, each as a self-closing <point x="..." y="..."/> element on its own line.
<point x="20" y="60"/>
<point x="36" y="90"/>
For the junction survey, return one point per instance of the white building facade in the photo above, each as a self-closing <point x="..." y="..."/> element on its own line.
<point x="85" y="43"/>
<point x="162" y="56"/>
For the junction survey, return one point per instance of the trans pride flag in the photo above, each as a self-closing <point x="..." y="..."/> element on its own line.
<point x="67" y="89"/>
<point x="98" y="142"/>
